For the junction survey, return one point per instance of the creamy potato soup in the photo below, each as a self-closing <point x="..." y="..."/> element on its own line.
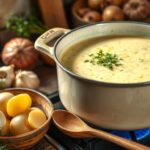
<point x="110" y="59"/>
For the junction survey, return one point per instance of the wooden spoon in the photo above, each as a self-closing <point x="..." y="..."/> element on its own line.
<point x="73" y="126"/>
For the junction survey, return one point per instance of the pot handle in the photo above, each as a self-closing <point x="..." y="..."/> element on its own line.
<point x="42" y="41"/>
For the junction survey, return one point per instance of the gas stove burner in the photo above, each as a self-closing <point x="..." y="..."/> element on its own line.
<point x="140" y="134"/>
<point x="133" y="135"/>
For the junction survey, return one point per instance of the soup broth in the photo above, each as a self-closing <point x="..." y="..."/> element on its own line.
<point x="110" y="59"/>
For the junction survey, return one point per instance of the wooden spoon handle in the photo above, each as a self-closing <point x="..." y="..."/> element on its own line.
<point x="118" y="140"/>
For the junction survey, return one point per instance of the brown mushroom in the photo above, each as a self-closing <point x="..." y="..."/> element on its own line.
<point x="113" y="13"/>
<point x="116" y="2"/>
<point x="92" y="16"/>
<point x="95" y="4"/>
<point x="137" y="9"/>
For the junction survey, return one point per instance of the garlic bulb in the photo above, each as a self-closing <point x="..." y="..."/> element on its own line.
<point x="27" y="79"/>
<point x="7" y="76"/>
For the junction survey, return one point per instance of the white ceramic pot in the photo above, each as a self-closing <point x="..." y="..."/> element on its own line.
<point x="108" y="105"/>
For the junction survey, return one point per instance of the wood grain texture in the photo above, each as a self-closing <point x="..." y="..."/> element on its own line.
<point x="53" y="13"/>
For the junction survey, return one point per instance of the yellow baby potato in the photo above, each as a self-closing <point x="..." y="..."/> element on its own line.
<point x="2" y="121"/>
<point x="5" y="129"/>
<point x="36" y="118"/>
<point x="4" y="124"/>
<point x="4" y="97"/>
<point x="18" y="104"/>
<point x="19" y="125"/>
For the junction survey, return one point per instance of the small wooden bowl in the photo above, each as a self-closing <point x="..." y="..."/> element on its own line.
<point x="27" y="140"/>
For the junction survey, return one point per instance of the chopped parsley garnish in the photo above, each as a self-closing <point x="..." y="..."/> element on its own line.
<point x="141" y="60"/>
<point x="105" y="59"/>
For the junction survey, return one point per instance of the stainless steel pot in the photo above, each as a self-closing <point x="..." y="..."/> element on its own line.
<point x="108" y="105"/>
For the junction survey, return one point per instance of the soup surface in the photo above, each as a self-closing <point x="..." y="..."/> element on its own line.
<point x="110" y="59"/>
